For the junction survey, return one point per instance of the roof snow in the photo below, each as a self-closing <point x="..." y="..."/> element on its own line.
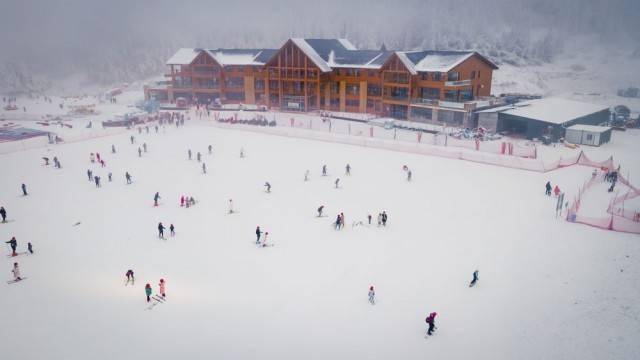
<point x="311" y="53"/>
<point x="589" y="128"/>
<point x="435" y="62"/>
<point x="347" y="44"/>
<point x="554" y="110"/>
<point x="224" y="57"/>
<point x="183" y="56"/>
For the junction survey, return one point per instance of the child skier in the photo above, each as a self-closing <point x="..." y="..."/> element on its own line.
<point x="372" y="296"/>
<point x="130" y="277"/>
<point x="97" y="180"/>
<point x="268" y="186"/>
<point x="172" y="229"/>
<point x="147" y="291"/>
<point x="90" y="174"/>
<point x="161" y="285"/>
<point x="110" y="174"/>
<point x="156" y="197"/>
<point x="198" y="156"/>
<point x="338" y="222"/>
<point x="337" y="182"/>
<point x="264" y="240"/>
<point x="128" y="177"/>
<point x="16" y="272"/>
<point x="320" y="210"/>
<point x="475" y="279"/>
<point x="24" y="190"/>
<point x="548" y="188"/>
<point x="160" y="231"/>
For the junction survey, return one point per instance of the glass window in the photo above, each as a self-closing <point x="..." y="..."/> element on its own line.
<point x="453" y="76"/>
<point x="374" y="90"/>
<point x="352" y="103"/>
<point x="436" y="76"/>
<point x="451" y="95"/>
<point x="466" y="94"/>
<point x="430" y="93"/>
<point x="473" y="74"/>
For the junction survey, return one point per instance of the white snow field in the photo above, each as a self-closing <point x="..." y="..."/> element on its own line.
<point x="548" y="289"/>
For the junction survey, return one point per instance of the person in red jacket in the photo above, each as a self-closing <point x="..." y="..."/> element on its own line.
<point x="556" y="191"/>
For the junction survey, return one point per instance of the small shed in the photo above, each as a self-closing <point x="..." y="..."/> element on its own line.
<point x="588" y="134"/>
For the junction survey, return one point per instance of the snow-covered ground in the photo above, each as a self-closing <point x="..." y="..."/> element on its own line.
<point x="548" y="288"/>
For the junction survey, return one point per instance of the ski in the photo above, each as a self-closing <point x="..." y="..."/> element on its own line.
<point x="158" y="298"/>
<point x="15" y="281"/>
<point x="18" y="253"/>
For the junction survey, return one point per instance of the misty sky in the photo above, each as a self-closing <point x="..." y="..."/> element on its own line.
<point x="107" y="35"/>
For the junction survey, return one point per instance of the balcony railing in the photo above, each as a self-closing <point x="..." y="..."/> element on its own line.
<point x="457" y="83"/>
<point x="423" y="101"/>
<point x="396" y="97"/>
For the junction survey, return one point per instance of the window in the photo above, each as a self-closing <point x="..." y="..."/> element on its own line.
<point x="451" y="95"/>
<point x="425" y="76"/>
<point x="338" y="72"/>
<point x="353" y="72"/>
<point x="273" y="85"/>
<point x="421" y="114"/>
<point x="353" y="89"/>
<point x="369" y="103"/>
<point x="259" y="84"/>
<point x="436" y="76"/>
<point x="453" y="76"/>
<point x="234" y="82"/>
<point x="478" y="74"/>
<point x="473" y="74"/>
<point x="335" y="87"/>
<point x="430" y="93"/>
<point x="371" y="73"/>
<point x="352" y="103"/>
<point x="450" y="117"/>
<point x="237" y="96"/>
<point x="374" y="90"/>
<point x="334" y="102"/>
<point x="466" y="94"/>
<point x="589" y="137"/>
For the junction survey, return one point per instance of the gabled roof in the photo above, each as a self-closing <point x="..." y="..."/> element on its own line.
<point x="436" y="61"/>
<point x="183" y="56"/>
<point x="554" y="110"/>
<point x="312" y="54"/>
<point x="340" y="53"/>
<point x="241" y="56"/>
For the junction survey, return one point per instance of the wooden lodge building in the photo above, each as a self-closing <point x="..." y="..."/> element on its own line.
<point x="331" y="74"/>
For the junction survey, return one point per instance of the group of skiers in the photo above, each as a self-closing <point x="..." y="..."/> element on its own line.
<point x="187" y="201"/>
<point x="56" y="162"/>
<point x="261" y="241"/>
<point x="161" y="228"/>
<point x="14" y="246"/>
<point x="612" y="177"/>
<point x="556" y="189"/>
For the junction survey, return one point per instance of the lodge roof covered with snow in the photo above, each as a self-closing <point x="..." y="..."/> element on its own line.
<point x="554" y="110"/>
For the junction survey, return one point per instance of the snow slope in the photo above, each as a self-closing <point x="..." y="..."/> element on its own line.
<point x="548" y="288"/>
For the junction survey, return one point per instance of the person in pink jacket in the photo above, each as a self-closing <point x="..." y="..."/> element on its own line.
<point x="162" y="287"/>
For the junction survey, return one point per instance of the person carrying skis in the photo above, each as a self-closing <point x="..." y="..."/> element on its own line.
<point x="347" y="170"/>
<point x="268" y="186"/>
<point x="130" y="277"/>
<point x="16" y="272"/>
<point x="372" y="296"/>
<point x="172" y="229"/>
<point x="548" y="188"/>
<point x="160" y="231"/>
<point x="324" y="170"/>
<point x="161" y="285"/>
<point x="156" y="197"/>
<point x="128" y="177"/>
<point x="14" y="244"/>
<point x="3" y="213"/>
<point x="30" y="248"/>
<point x="320" y="210"/>
<point x="24" y="190"/>
<point x="384" y="218"/>
<point x="431" y="319"/>
<point x="475" y="279"/>
<point x="258" y="233"/>
<point x="147" y="291"/>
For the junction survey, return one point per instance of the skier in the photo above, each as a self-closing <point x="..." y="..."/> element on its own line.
<point x="144" y="146"/>
<point x="24" y="190"/>
<point x="337" y="182"/>
<point x="56" y="162"/>
<point x="409" y="175"/>
<point x="90" y="174"/>
<point x="132" y="139"/>
<point x="147" y="291"/>
<point x="92" y="158"/>
<point x="372" y="296"/>
<point x="14" y="244"/>
<point x="324" y="170"/>
<point x="128" y="177"/>
<point x="268" y="186"/>
<point x="172" y="229"/>
<point x="97" y="180"/>
<point x="130" y="277"/>
<point x="241" y="152"/>
<point x="264" y="241"/>
<point x="230" y="206"/>
<point x="548" y="188"/>
<point x="16" y="272"/>
<point x="162" y="288"/>
<point x="258" y="233"/>
<point x="113" y="149"/>
<point x="3" y="213"/>
<point x="384" y="218"/>
<point x="160" y="231"/>
<point x="210" y="149"/>
<point x="369" y="218"/>
<point x="110" y="174"/>
<point x="156" y="197"/>
<point x="347" y="170"/>
<point x="198" y="156"/>
<point x="379" y="219"/>
<point x="189" y="153"/>
<point x="320" y="210"/>
<point x="431" y="319"/>
<point x="139" y="152"/>
<point x="46" y="160"/>
<point x="475" y="279"/>
<point x="342" y="223"/>
<point x="204" y="168"/>
<point x="556" y="191"/>
<point x="338" y="222"/>
<point x="98" y="157"/>
<point x="306" y="175"/>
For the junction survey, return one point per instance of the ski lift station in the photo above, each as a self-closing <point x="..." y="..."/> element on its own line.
<point x="546" y="118"/>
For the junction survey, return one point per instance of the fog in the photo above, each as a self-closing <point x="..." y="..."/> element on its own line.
<point x="124" y="40"/>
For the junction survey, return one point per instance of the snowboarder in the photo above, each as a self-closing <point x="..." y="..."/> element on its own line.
<point x="258" y="233"/>
<point x="230" y="206"/>
<point x="347" y="170"/>
<point x="90" y="174"/>
<point x="24" y="190"/>
<point x="97" y="180"/>
<point x="384" y="218"/>
<point x="147" y="291"/>
<point x="306" y="175"/>
<point x="16" y="272"/>
<point x="204" y="168"/>
<point x="372" y="296"/>
<point x="160" y="231"/>
<point x="475" y="279"/>
<point x="156" y="197"/>
<point x="548" y="188"/>
<point x="431" y="319"/>
<point x="189" y="153"/>
<point x="3" y="213"/>
<point x="110" y="175"/>
<point x="30" y="248"/>
<point x="139" y="152"/>
<point x="199" y="156"/>
<point x="324" y="170"/>
<point x="172" y="229"/>
<point x="320" y="210"/>
<point x="210" y="149"/>
<point x="161" y="285"/>
<point x="128" y="177"/>
<point x="14" y="244"/>
<point x="268" y="186"/>
<point x="144" y="146"/>
<point x="130" y="277"/>
<point x="369" y="218"/>
<point x="337" y="182"/>
<point x="113" y="149"/>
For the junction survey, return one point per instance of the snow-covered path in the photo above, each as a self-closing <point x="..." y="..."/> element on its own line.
<point x="548" y="288"/>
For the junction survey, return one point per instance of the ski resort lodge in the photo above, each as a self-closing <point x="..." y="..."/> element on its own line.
<point x="331" y="74"/>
